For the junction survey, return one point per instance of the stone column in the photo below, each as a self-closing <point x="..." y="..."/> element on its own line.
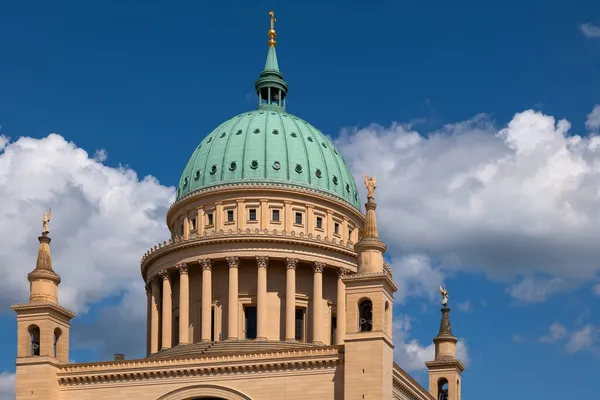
<point x="340" y="329"/>
<point x="241" y="216"/>
<point x="148" y="318"/>
<point x="155" y="314"/>
<point x="290" y="299"/>
<point x="232" y="312"/>
<point x="288" y="218"/>
<point x="206" y="299"/>
<point x="264" y="214"/>
<point x="167" y="310"/>
<point x="184" y="304"/>
<point x="186" y="228"/>
<point x="318" y="302"/>
<point x="200" y="221"/>
<point x="261" y="298"/>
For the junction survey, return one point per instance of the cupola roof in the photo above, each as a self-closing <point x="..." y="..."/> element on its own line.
<point x="269" y="145"/>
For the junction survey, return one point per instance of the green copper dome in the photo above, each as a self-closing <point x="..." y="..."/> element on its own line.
<point x="268" y="145"/>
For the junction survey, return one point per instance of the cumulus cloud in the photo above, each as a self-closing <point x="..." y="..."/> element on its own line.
<point x="584" y="338"/>
<point x="410" y="354"/>
<point x="7" y="386"/>
<point x="103" y="219"/>
<point x="415" y="276"/>
<point x="519" y="202"/>
<point x="593" y="119"/>
<point x="590" y="30"/>
<point x="556" y="332"/>
<point x="596" y="289"/>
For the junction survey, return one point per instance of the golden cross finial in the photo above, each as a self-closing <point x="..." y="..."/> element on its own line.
<point x="272" y="33"/>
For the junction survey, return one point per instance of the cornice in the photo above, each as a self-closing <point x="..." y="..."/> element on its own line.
<point x="245" y="185"/>
<point x="37" y="305"/>
<point x="407" y="385"/>
<point x="447" y="363"/>
<point x="386" y="276"/>
<point x="345" y="248"/>
<point x="147" y="369"/>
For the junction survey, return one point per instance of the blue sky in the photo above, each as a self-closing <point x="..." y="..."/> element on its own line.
<point x="139" y="84"/>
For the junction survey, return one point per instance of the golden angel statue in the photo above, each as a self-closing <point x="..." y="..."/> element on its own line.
<point x="46" y="221"/>
<point x="444" y="294"/>
<point x="371" y="184"/>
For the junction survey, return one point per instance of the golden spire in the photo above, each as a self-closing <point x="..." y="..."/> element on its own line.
<point x="272" y="33"/>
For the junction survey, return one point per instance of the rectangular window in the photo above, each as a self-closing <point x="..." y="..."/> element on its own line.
<point x="250" y="322"/>
<point x="336" y="228"/>
<point x="252" y="214"/>
<point x="319" y="223"/>
<point x="299" y="326"/>
<point x="275" y="215"/>
<point x="333" y="328"/>
<point x="229" y="215"/>
<point x="210" y="219"/>
<point x="350" y="234"/>
<point x="193" y="223"/>
<point x="299" y="218"/>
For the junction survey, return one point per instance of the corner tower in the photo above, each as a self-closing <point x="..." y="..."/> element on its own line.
<point x="445" y="371"/>
<point x="369" y="349"/>
<point x="43" y="328"/>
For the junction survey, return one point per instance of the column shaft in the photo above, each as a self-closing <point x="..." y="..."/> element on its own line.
<point x="261" y="298"/>
<point x="232" y="321"/>
<point x="206" y="300"/>
<point x="155" y="315"/>
<point x="318" y="303"/>
<point x="290" y="299"/>
<point x="167" y="310"/>
<point x="148" y="319"/>
<point x="340" y="330"/>
<point x="184" y="304"/>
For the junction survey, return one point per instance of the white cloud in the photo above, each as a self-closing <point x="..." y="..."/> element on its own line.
<point x="590" y="30"/>
<point x="100" y="155"/>
<point x="520" y="202"/>
<point x="576" y="340"/>
<point x="103" y="220"/>
<point x="593" y="119"/>
<point x="596" y="289"/>
<point x="537" y="289"/>
<point x="556" y="332"/>
<point x="465" y="306"/>
<point x="412" y="355"/>
<point x="582" y="339"/>
<point x="3" y="142"/>
<point x="415" y="276"/>
<point x="7" y="386"/>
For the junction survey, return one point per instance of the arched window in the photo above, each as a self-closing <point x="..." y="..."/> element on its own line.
<point x="365" y="312"/>
<point x="34" y="334"/>
<point x="442" y="389"/>
<point x="57" y="342"/>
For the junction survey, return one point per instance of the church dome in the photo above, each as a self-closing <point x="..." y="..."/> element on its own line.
<point x="269" y="145"/>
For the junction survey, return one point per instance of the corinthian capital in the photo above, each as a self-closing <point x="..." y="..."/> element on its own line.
<point x="262" y="261"/>
<point x="291" y="263"/>
<point x="234" y="262"/>
<point x="318" y="267"/>
<point x="182" y="268"/>
<point x="205" y="263"/>
<point x="342" y="272"/>
<point x="164" y="274"/>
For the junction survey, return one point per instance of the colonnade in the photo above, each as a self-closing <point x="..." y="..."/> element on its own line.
<point x="162" y="309"/>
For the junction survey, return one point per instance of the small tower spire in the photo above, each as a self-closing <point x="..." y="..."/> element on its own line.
<point x="370" y="248"/>
<point x="271" y="88"/>
<point x="43" y="280"/>
<point x="445" y="371"/>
